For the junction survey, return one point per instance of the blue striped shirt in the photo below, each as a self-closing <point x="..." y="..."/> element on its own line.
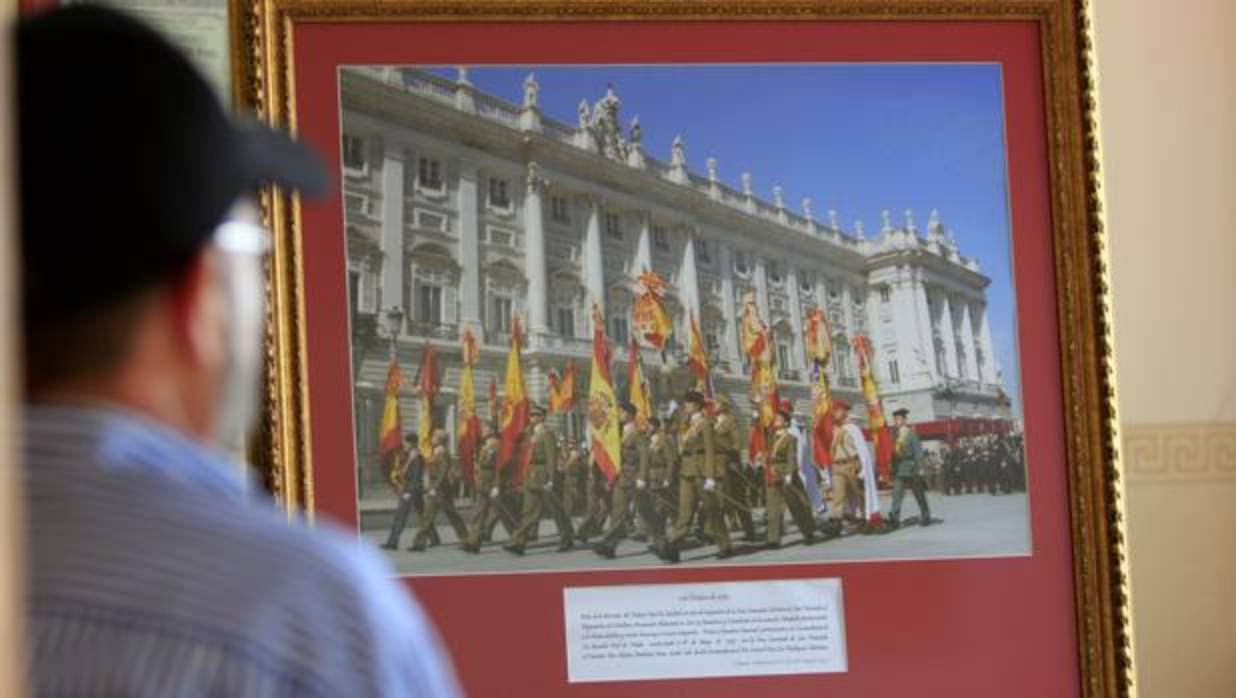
<point x="154" y="573"/>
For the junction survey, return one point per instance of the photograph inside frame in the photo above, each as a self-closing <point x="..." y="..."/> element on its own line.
<point x="632" y="316"/>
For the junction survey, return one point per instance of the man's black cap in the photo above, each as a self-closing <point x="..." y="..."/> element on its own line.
<point x="694" y="396"/>
<point x="903" y="412"/>
<point x="128" y="159"/>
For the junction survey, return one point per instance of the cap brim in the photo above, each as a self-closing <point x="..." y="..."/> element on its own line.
<point x="275" y="158"/>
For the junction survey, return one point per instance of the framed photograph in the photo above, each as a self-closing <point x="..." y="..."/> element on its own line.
<point x="742" y="349"/>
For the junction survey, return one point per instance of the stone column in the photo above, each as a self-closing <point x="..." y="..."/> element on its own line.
<point x="392" y="229"/>
<point x="798" y="353"/>
<point x="949" y="337"/>
<point x="905" y="320"/>
<point x="967" y="341"/>
<point x="847" y="307"/>
<point x="991" y="368"/>
<point x="729" y="305"/>
<point x="643" y="248"/>
<point x="688" y="278"/>
<point x="469" y="246"/>
<point x="925" y="336"/>
<point x="594" y="268"/>
<point x="534" y="253"/>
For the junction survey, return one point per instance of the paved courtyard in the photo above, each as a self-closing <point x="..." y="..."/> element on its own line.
<point x="974" y="525"/>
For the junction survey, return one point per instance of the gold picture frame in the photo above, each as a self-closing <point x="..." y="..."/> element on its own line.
<point x="265" y="82"/>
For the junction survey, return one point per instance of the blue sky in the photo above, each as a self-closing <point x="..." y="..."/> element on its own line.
<point x="855" y="138"/>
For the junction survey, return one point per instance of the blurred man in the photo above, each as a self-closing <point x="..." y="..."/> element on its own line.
<point x="153" y="571"/>
<point x="410" y="479"/>
<point x="537" y="495"/>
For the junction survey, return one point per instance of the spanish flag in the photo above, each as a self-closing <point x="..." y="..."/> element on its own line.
<point x="819" y="349"/>
<point x="751" y="327"/>
<point x="877" y="425"/>
<point x="515" y="404"/>
<point x="637" y="388"/>
<point x="390" y="436"/>
<point x="697" y="357"/>
<point x="429" y="385"/>
<point x="562" y="390"/>
<point x="468" y="424"/>
<point x="652" y="322"/>
<point x="603" y="404"/>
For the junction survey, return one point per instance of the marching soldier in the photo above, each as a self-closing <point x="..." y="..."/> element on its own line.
<point x="907" y="452"/>
<point x="537" y="495"/>
<point x="596" y="507"/>
<point x="630" y="488"/>
<point x="662" y="464"/>
<point x="785" y="485"/>
<point x="845" y="493"/>
<point x="489" y="489"/>
<point x="410" y="486"/>
<point x="439" y="495"/>
<point x="737" y="507"/>
<point x="701" y="478"/>
<point x="572" y="476"/>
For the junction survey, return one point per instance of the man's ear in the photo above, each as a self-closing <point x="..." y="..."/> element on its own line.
<point x="197" y="310"/>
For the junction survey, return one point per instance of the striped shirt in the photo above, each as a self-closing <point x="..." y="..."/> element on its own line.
<point x="154" y="573"/>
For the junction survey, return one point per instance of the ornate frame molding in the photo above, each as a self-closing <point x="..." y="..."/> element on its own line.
<point x="263" y="80"/>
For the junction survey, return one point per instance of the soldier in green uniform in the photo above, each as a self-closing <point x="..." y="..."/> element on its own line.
<point x="596" y="504"/>
<point x="701" y="478"/>
<point x="572" y="478"/>
<point x="737" y="506"/>
<point x="489" y="509"/>
<point x="907" y="452"/>
<point x="662" y="464"/>
<point x="630" y="489"/>
<point x="439" y="495"/>
<point x="537" y="495"/>
<point x="785" y="485"/>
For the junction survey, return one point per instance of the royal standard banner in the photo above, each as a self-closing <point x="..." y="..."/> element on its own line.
<point x="637" y="388"/>
<point x="468" y="424"/>
<point x="390" y="435"/>
<point x="697" y="358"/>
<point x="603" y="403"/>
<point x="429" y="385"/>
<point x="652" y="321"/>
<point x="877" y="425"/>
<point x="515" y="402"/>
<point x="562" y="389"/>
<point x="819" y="350"/>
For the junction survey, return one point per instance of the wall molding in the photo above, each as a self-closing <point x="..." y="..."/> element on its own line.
<point x="1179" y="453"/>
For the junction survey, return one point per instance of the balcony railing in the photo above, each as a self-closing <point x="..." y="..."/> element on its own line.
<point x="433" y="330"/>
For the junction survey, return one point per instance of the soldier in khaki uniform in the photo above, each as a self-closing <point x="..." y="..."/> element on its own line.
<point x="662" y="464"/>
<point x="907" y="453"/>
<point x="845" y="492"/>
<point x="572" y="476"/>
<point x="537" y="495"/>
<point x="489" y="487"/>
<point x="701" y="477"/>
<point x="785" y="485"/>
<point x="737" y="506"/>
<point x="439" y="494"/>
<point x="630" y="489"/>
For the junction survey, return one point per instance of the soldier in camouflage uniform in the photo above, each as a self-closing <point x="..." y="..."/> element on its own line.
<point x="701" y="479"/>
<point x="785" y="485"/>
<point x="537" y="495"/>
<point x="737" y="486"/>
<point x="439" y="495"/>
<point x="489" y="489"/>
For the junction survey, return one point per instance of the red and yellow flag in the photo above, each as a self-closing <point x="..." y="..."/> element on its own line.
<point x="697" y="357"/>
<point x="603" y="404"/>
<point x="390" y="436"/>
<point x="562" y="389"/>
<point x="493" y="401"/>
<point x="757" y="344"/>
<point x="877" y="425"/>
<point x="751" y="328"/>
<point x="429" y="385"/>
<point x="652" y="321"/>
<point x="515" y="404"/>
<point x="819" y="350"/>
<point x="468" y="424"/>
<point x="637" y="388"/>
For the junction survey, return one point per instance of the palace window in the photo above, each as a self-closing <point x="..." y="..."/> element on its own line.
<point x="429" y="174"/>
<point x="354" y="154"/>
<point x="565" y="318"/>
<point x="806" y="285"/>
<point x="740" y="263"/>
<point x="660" y="239"/>
<point x="613" y="226"/>
<point x="783" y="359"/>
<point x="774" y="274"/>
<point x="499" y="193"/>
<point x="894" y="375"/>
<point x="559" y="209"/>
<point x="500" y="315"/>
<point x="886" y="294"/>
<point x="618" y="329"/>
<point x="429" y="304"/>
<point x="357" y="203"/>
<point x="362" y="291"/>
<point x="702" y="253"/>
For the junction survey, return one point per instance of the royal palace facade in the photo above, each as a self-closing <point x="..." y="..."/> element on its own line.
<point x="462" y="209"/>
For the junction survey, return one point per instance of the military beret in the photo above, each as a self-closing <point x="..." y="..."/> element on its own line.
<point x="902" y="412"/>
<point x="693" y="396"/>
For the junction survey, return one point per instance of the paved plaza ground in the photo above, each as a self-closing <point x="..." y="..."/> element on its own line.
<point x="973" y="525"/>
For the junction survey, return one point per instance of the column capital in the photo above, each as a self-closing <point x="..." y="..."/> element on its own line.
<point x="535" y="179"/>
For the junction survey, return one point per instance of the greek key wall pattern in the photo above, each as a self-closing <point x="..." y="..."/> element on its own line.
<point x="1179" y="453"/>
